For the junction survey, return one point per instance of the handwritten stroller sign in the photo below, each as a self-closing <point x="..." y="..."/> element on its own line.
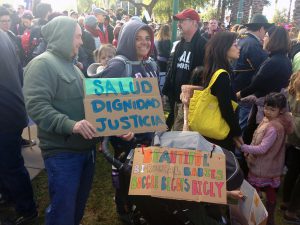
<point x="191" y="175"/>
<point x="118" y="105"/>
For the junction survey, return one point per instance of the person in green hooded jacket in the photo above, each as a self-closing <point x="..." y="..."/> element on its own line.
<point x="53" y="93"/>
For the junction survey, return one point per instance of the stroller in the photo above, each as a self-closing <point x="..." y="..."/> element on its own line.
<point x="158" y="211"/>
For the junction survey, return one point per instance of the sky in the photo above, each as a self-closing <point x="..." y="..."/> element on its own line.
<point x="60" y="5"/>
<point x="57" y="5"/>
<point x="269" y="11"/>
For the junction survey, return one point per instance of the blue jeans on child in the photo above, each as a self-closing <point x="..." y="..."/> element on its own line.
<point x="70" y="177"/>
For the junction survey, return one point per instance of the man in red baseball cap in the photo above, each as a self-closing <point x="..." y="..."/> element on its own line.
<point x="189" y="54"/>
<point x="187" y="14"/>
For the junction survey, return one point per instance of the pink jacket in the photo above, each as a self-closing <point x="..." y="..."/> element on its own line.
<point x="267" y="150"/>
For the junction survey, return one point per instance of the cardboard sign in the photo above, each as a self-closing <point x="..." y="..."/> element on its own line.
<point x="252" y="207"/>
<point x="190" y="175"/>
<point x="116" y="106"/>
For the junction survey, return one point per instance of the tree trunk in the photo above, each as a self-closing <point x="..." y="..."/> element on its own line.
<point x="246" y="11"/>
<point x="296" y="16"/>
<point x="218" y="10"/>
<point x="234" y="7"/>
<point x="257" y="7"/>
<point x="224" y="6"/>
<point x="289" y="12"/>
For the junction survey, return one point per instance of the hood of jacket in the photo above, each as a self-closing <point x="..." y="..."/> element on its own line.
<point x="286" y="120"/>
<point x="59" y="34"/>
<point x="126" y="41"/>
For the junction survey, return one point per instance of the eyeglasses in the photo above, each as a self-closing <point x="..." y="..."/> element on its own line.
<point x="4" y="21"/>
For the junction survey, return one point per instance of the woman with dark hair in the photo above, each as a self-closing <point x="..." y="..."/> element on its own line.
<point x="277" y="68"/>
<point x="220" y="51"/>
<point x="163" y="45"/>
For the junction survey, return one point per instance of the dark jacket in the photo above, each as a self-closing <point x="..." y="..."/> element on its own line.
<point x="18" y="46"/>
<point x="273" y="75"/>
<point x="223" y="91"/>
<point x="13" y="116"/>
<point x="163" y="48"/>
<point x="110" y="30"/>
<point x="116" y="68"/>
<point x="294" y="50"/>
<point x="198" y="47"/>
<point x="126" y="47"/>
<point x="251" y="57"/>
<point x="163" y="53"/>
<point x="86" y="51"/>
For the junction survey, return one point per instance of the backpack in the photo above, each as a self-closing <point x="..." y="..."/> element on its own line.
<point x="193" y="140"/>
<point x="92" y="69"/>
<point x="128" y="63"/>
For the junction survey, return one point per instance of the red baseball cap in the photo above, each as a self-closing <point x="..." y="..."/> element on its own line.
<point x="187" y="14"/>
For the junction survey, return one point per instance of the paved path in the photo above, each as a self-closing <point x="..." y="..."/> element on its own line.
<point x="32" y="155"/>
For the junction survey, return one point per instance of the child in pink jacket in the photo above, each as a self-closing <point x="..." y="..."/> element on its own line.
<point x="265" y="155"/>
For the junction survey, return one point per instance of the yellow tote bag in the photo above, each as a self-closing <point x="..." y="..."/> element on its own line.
<point x="205" y="115"/>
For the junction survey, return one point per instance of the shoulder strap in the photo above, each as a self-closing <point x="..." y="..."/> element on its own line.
<point x="215" y="76"/>
<point x="128" y="63"/>
<point x="153" y="64"/>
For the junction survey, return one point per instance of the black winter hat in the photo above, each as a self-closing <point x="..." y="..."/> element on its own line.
<point x="259" y="19"/>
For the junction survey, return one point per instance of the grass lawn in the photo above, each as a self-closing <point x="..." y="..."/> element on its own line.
<point x="100" y="209"/>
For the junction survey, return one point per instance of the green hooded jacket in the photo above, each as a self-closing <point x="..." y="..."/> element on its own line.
<point x="53" y="91"/>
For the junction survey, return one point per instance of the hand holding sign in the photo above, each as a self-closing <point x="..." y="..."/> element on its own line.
<point x="235" y="194"/>
<point x="85" y="129"/>
<point x="116" y="106"/>
<point x="127" y="137"/>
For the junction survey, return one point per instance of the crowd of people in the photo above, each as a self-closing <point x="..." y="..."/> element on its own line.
<point x="45" y="55"/>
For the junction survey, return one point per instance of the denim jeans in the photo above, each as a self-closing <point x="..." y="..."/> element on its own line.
<point x="244" y="111"/>
<point x="14" y="177"/>
<point x="70" y="177"/>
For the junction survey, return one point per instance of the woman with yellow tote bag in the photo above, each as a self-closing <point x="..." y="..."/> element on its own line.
<point x="222" y="127"/>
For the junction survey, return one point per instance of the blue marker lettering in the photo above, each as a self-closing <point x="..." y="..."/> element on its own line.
<point x="124" y="119"/>
<point x="100" y="89"/>
<point x="146" y="87"/>
<point x="163" y="183"/>
<point x="127" y="104"/>
<point x="135" y="120"/>
<point x="158" y="121"/>
<point x="110" y="88"/>
<point x="187" y="185"/>
<point x="186" y="171"/>
<point x="131" y="87"/>
<point x="165" y="157"/>
<point x="97" y="105"/>
<point x="103" y="126"/>
<point x="123" y="92"/>
<point x="111" y="126"/>
<point x="145" y="121"/>
<point x="140" y="104"/>
<point x="116" y="105"/>
<point x="108" y="106"/>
